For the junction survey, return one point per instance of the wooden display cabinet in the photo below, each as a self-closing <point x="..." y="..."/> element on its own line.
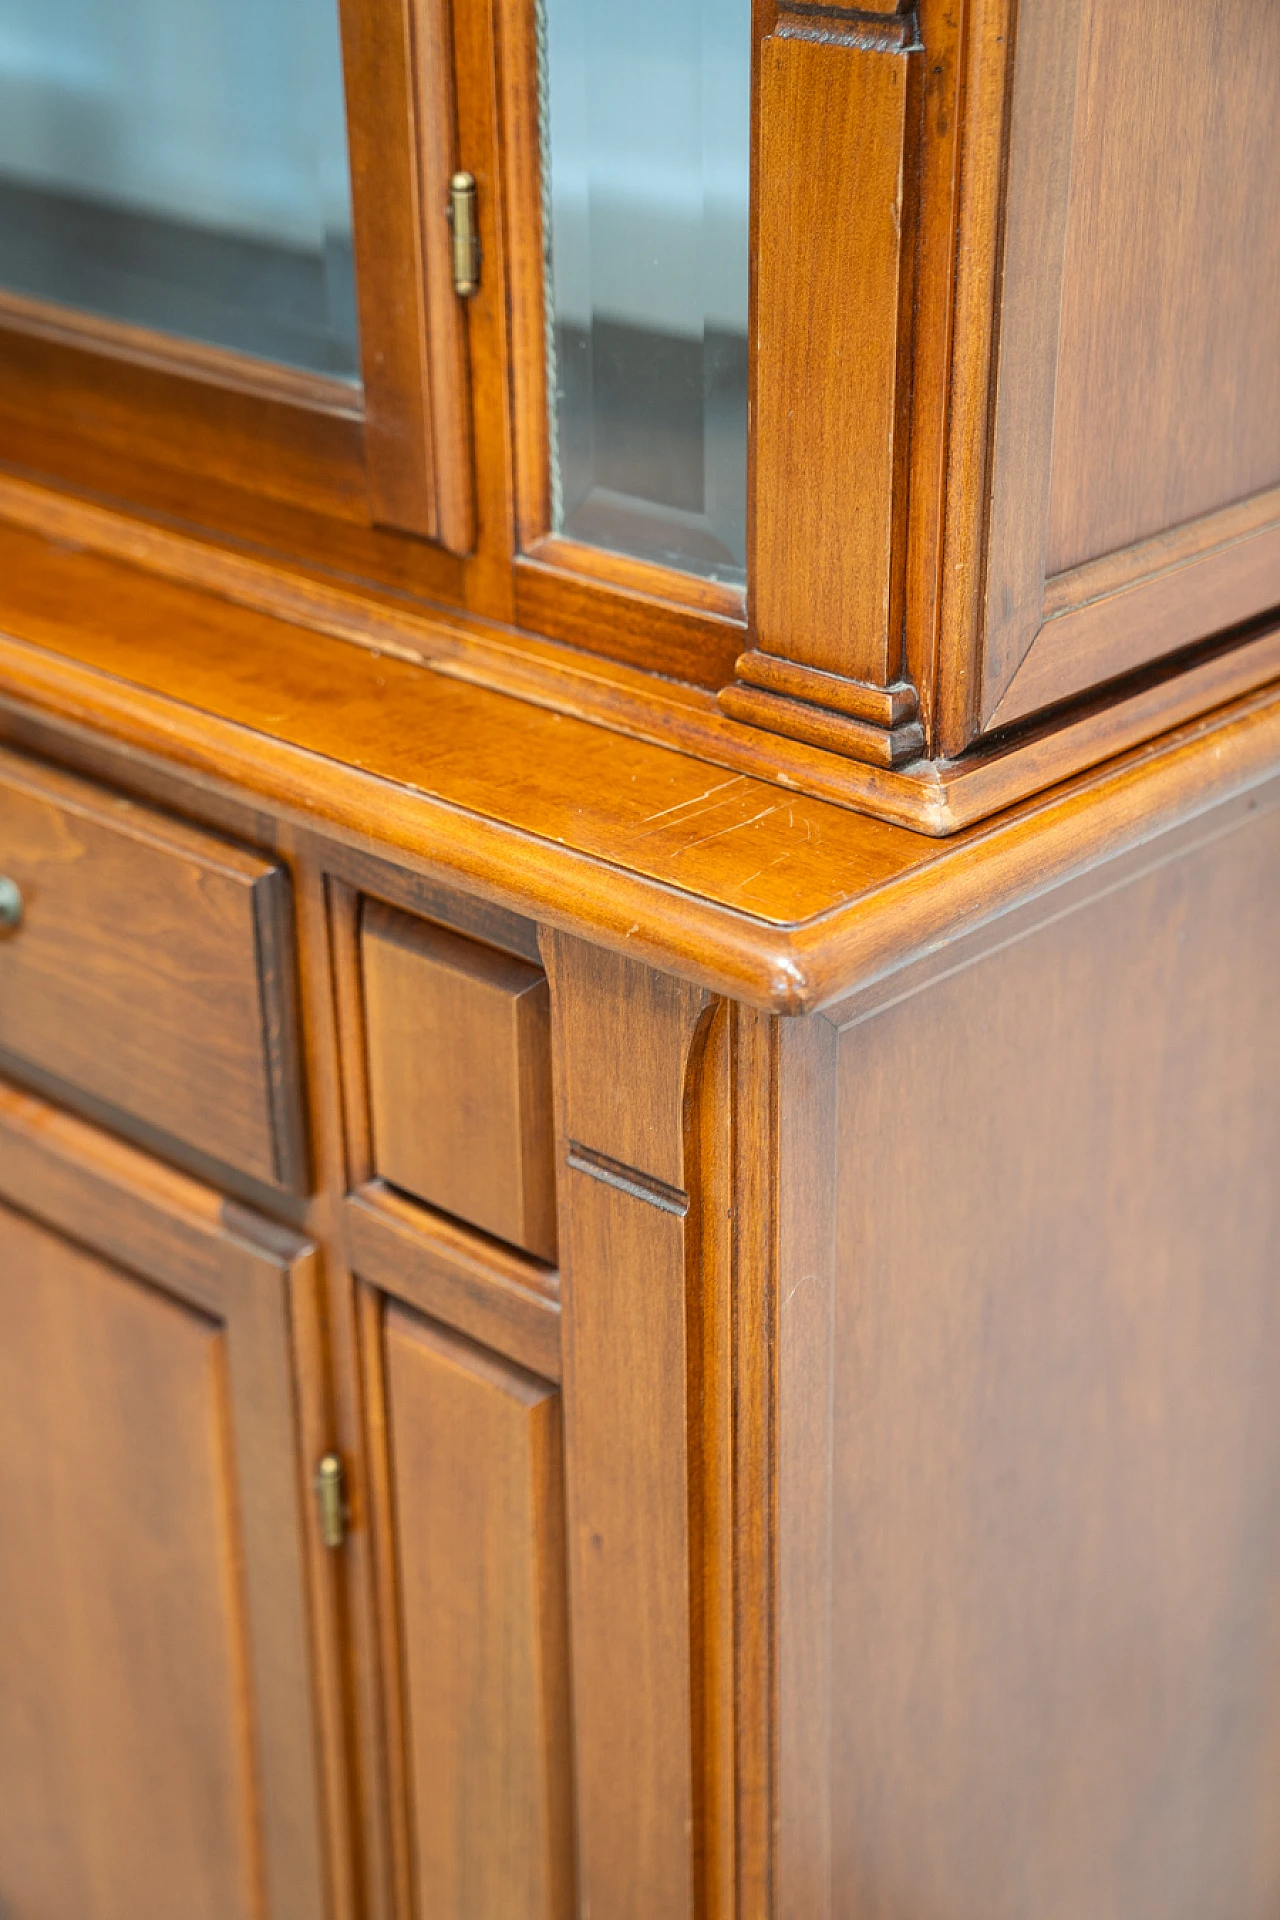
<point x="637" y="1214"/>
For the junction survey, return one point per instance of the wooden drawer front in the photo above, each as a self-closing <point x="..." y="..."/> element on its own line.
<point x="149" y="970"/>
<point x="460" y="1076"/>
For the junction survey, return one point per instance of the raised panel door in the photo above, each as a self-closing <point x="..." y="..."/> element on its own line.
<point x="157" y="1745"/>
<point x="1135" y="472"/>
<point x="472" y="1481"/>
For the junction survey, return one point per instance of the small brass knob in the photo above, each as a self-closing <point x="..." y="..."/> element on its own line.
<point x="10" y="904"/>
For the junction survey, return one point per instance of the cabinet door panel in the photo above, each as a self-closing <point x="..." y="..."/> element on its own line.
<point x="476" y="1501"/>
<point x="158" y="1744"/>
<point x="1135" y="502"/>
<point x="125" y="1752"/>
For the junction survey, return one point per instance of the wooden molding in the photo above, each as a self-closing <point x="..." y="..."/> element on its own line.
<point x="738" y="879"/>
<point x="489" y="1292"/>
<point x="833" y="243"/>
<point x="879" y="706"/>
<point x="413" y="350"/>
<point x="1116" y="613"/>
<point x="826" y="727"/>
<point x="247" y="602"/>
<point x="633" y="1365"/>
<point x="868" y="722"/>
<point x="170" y="353"/>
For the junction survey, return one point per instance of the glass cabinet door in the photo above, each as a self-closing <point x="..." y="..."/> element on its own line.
<point x="646" y="167"/>
<point x="181" y="165"/>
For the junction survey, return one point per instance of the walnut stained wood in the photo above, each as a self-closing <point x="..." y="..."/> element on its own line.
<point x="1166" y="403"/>
<point x="171" y="416"/>
<point x="122" y="1793"/>
<point x="626" y="1254"/>
<point x="912" y="526"/>
<point x="697" y="1207"/>
<point x="1054" y="1520"/>
<point x="873" y="1514"/>
<point x="827" y="314"/>
<point x="152" y="969"/>
<point x="1136" y="392"/>
<point x="478" y="1493"/>
<point x="158" y="1746"/>
<point x="460" y="1076"/>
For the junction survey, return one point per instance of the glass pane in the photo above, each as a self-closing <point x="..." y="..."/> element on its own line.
<point x="647" y="160"/>
<point x="182" y="164"/>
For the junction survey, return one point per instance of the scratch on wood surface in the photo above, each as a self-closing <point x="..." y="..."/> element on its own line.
<point x="740" y="886"/>
<point x="691" y="807"/>
<point x="734" y="826"/>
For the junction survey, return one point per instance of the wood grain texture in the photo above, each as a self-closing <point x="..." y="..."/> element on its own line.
<point x="317" y="1323"/>
<point x="388" y="233"/>
<point x="350" y="1676"/>
<point x="1092" y="641"/>
<point x="487" y="585"/>
<point x="625" y="1267"/>
<point x="879" y="706"/>
<point x="834" y="731"/>
<point x="1054" y="1453"/>
<point x="714" y="1505"/>
<point x="830" y="231"/>
<point x="952" y="121"/>
<point x="162" y="1752"/>
<point x="1167" y="402"/>
<point x="486" y="1291"/>
<point x="630" y="611"/>
<point x="1136" y="399"/>
<point x="127" y="1767"/>
<point x="478" y="1490"/>
<point x="808" y="1597"/>
<point x="77" y="413"/>
<point x="365" y="872"/>
<point x="460" y="1076"/>
<point x="448" y="370"/>
<point x="52" y="583"/>
<point x="493" y="757"/>
<point x="153" y="968"/>
<point x="755" y="1162"/>
<point x="1040" y="136"/>
<point x="780" y="900"/>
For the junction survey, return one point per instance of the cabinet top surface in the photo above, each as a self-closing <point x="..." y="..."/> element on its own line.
<point x="779" y="898"/>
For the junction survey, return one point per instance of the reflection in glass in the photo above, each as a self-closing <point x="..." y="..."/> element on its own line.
<point x="182" y="165"/>
<point x="646" y="163"/>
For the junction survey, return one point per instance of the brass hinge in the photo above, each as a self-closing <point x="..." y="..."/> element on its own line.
<point x="466" y="235"/>
<point x="331" y="1499"/>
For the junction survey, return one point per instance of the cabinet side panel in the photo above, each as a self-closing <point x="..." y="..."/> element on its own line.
<point x="1168" y="401"/>
<point x="1055" y="1440"/>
